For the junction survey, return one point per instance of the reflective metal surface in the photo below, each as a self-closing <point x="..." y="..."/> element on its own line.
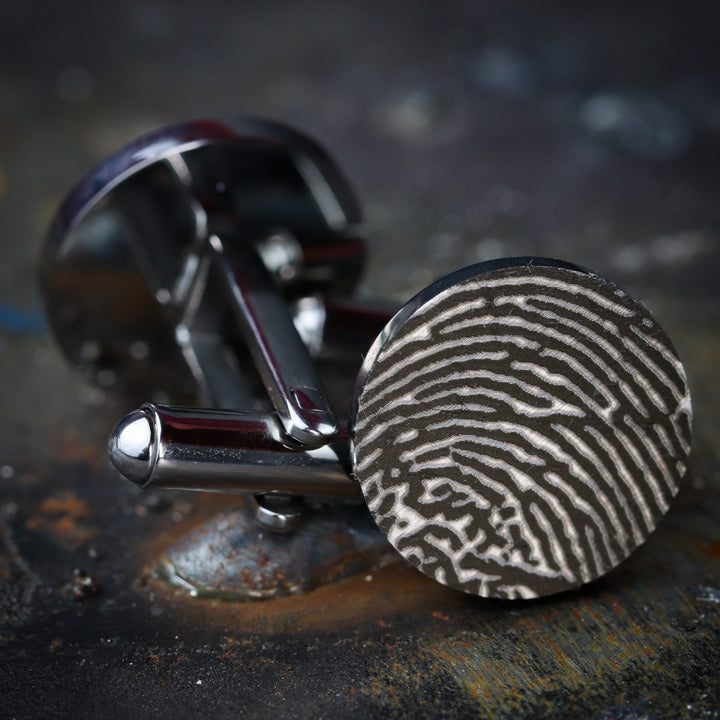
<point x="125" y="262"/>
<point x="237" y="558"/>
<point x="180" y="448"/>
<point x="281" y="357"/>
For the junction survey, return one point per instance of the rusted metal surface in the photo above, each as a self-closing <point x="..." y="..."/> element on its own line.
<point x="470" y="131"/>
<point x="232" y="557"/>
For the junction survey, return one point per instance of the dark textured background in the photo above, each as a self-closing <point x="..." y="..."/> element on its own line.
<point x="471" y="130"/>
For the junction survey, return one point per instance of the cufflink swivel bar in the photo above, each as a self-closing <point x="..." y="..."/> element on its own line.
<point x="159" y="446"/>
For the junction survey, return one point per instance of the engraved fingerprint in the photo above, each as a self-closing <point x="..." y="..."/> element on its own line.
<point x="522" y="431"/>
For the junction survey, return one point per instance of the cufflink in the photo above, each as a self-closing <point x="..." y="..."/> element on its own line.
<point x="516" y="429"/>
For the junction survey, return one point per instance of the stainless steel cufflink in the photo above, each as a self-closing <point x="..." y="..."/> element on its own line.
<point x="516" y="429"/>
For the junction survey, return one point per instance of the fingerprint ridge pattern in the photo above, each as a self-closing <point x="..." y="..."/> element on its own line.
<point x="522" y="432"/>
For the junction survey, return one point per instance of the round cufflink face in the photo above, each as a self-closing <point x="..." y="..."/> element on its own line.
<point x="121" y="257"/>
<point x="520" y="427"/>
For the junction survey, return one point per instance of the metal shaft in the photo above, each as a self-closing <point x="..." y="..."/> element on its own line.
<point x="280" y="356"/>
<point x="159" y="446"/>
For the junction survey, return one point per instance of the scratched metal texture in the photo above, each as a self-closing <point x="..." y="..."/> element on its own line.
<point x="470" y="130"/>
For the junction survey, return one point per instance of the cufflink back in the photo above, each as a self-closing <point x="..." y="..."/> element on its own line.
<point x="516" y="429"/>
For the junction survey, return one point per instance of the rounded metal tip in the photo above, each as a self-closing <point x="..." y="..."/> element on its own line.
<point x="132" y="447"/>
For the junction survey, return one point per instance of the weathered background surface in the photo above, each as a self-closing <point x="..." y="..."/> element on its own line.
<point x="471" y="130"/>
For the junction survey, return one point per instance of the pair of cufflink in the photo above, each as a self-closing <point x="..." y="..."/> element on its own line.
<point x="516" y="429"/>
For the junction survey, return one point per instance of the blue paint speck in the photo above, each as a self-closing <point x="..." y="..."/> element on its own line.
<point x="14" y="320"/>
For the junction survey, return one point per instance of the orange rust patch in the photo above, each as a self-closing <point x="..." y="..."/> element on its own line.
<point x="396" y="590"/>
<point x="65" y="516"/>
<point x="67" y="503"/>
<point x="346" y="603"/>
<point x="74" y="448"/>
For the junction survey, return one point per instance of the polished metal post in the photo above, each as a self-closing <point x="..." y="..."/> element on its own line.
<point x="160" y="446"/>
